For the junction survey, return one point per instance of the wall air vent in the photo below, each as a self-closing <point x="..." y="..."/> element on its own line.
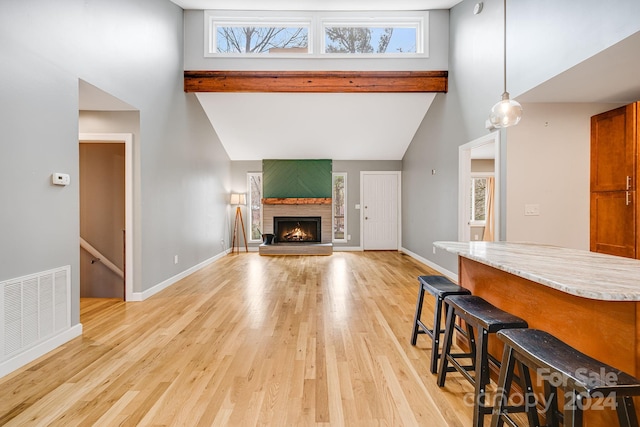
<point x="34" y="308"/>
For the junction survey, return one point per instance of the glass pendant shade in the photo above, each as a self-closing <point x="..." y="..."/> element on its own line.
<point x="505" y="113"/>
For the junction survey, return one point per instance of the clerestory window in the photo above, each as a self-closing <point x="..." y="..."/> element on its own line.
<point x="371" y="37"/>
<point x="317" y="34"/>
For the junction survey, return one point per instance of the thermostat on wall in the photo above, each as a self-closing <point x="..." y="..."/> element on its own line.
<point x="60" y="178"/>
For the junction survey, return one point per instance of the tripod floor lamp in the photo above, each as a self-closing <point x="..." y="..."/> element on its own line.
<point x="238" y="199"/>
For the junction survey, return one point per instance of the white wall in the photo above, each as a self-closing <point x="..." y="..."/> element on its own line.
<point x="548" y="158"/>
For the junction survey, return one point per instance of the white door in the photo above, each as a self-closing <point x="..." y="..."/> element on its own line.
<point x="380" y="209"/>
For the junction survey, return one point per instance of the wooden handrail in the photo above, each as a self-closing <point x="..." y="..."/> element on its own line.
<point x="100" y="257"/>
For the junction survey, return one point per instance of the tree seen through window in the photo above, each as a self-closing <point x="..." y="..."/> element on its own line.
<point x="478" y="199"/>
<point x="338" y="206"/>
<point x="260" y="39"/>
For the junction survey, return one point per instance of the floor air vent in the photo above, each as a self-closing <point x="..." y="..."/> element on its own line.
<point x="34" y="308"/>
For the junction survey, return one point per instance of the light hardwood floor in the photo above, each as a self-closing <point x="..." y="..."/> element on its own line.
<point x="249" y="340"/>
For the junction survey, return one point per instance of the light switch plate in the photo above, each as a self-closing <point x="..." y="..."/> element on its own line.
<point x="58" y="178"/>
<point x="532" y="210"/>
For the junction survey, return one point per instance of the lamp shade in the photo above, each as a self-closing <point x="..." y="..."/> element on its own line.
<point x="238" y="199"/>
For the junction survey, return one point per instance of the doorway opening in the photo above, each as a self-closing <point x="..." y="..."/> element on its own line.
<point x="477" y="161"/>
<point x="107" y="265"/>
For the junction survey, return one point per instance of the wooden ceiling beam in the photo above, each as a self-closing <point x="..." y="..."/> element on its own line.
<point x="316" y="81"/>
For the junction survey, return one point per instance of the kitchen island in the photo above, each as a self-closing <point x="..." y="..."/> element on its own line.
<point x="589" y="300"/>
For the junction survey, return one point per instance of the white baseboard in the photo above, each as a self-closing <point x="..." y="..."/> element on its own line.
<point x="451" y="275"/>
<point x="242" y="251"/>
<point x="41" y="349"/>
<point x="141" y="296"/>
<point x="347" y="248"/>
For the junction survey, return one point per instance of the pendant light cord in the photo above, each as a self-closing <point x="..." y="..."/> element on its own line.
<point x="504" y="48"/>
<point x="506" y="112"/>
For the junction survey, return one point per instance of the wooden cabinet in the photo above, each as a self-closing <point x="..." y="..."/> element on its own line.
<point x="614" y="180"/>
<point x="613" y="223"/>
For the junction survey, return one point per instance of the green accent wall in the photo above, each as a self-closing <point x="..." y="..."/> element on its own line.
<point x="296" y="178"/>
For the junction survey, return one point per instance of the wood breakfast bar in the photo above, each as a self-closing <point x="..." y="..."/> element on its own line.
<point x="589" y="300"/>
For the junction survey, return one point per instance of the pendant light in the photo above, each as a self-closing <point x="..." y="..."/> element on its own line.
<point x="507" y="112"/>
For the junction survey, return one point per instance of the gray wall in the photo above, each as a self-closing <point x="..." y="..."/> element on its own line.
<point x="239" y="170"/>
<point x="430" y="201"/>
<point x="545" y="39"/>
<point x="122" y="122"/>
<point x="353" y="168"/>
<point x="195" y="60"/>
<point x="132" y="50"/>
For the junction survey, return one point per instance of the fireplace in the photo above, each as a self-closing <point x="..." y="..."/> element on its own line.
<point x="297" y="229"/>
<point x="319" y="210"/>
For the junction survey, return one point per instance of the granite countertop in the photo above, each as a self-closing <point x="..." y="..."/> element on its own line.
<point x="576" y="272"/>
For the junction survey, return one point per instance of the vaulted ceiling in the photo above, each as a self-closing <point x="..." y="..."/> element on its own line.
<point x="299" y="115"/>
<point x="353" y="126"/>
<point x="366" y="125"/>
<point x="340" y="126"/>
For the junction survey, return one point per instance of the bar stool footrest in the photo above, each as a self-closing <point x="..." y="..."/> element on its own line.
<point x="440" y="287"/>
<point x="582" y="377"/>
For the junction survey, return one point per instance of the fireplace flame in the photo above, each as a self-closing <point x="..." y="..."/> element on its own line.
<point x="300" y="229"/>
<point x="296" y="234"/>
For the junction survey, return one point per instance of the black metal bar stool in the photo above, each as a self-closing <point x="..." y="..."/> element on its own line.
<point x="440" y="287"/>
<point x="483" y="318"/>
<point x="561" y="366"/>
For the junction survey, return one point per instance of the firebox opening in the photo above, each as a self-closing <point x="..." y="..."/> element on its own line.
<point x="297" y="229"/>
